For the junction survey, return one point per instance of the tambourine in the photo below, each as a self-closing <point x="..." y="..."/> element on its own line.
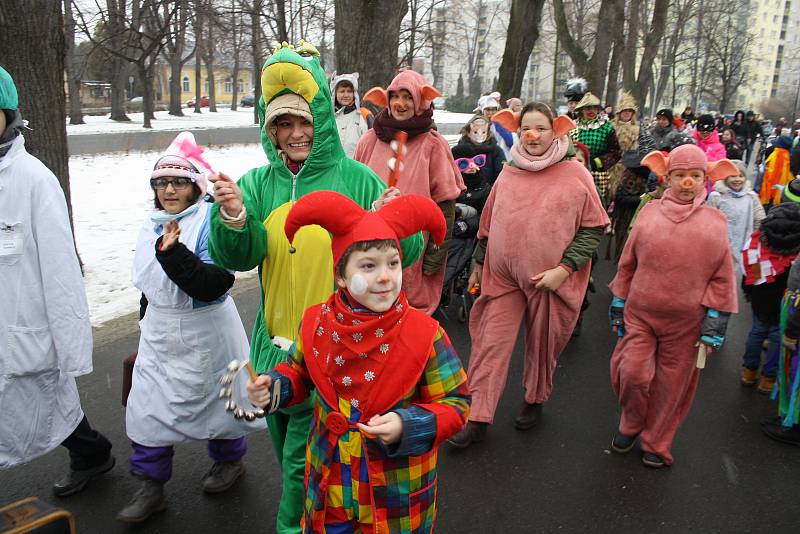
<point x="226" y="393"/>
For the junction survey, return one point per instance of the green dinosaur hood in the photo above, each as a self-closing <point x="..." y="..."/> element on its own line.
<point x="290" y="70"/>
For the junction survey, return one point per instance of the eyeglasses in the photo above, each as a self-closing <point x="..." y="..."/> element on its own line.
<point x="478" y="159"/>
<point x="179" y="183"/>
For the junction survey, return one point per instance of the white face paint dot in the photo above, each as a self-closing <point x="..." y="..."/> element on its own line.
<point x="358" y="284"/>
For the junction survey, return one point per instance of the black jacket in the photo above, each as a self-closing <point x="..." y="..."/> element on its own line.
<point x="202" y="281"/>
<point x="494" y="155"/>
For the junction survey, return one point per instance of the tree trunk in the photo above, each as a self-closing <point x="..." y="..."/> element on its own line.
<point x="119" y="71"/>
<point x="38" y="73"/>
<point x="73" y="72"/>
<point x="612" y="82"/>
<point x="176" y="43"/>
<point x="198" y="62"/>
<point x="283" y="35"/>
<point x="209" y="60"/>
<point x="255" y="51"/>
<point x="237" y="44"/>
<point x="146" y="76"/>
<point x="651" y="43"/>
<point x="175" y="86"/>
<point x="523" y="31"/>
<point x="629" y="56"/>
<point x="359" y="47"/>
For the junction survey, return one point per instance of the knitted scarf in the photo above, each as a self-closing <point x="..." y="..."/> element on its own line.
<point x="386" y="126"/>
<point x="356" y="344"/>
<point x="529" y="162"/>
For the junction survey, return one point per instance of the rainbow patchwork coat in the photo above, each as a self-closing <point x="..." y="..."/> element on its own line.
<point x="352" y="475"/>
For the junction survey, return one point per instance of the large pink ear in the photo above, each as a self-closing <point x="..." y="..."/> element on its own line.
<point x="429" y="92"/>
<point x="657" y="162"/>
<point x="507" y="119"/>
<point x="562" y="125"/>
<point x="719" y="170"/>
<point x="377" y="96"/>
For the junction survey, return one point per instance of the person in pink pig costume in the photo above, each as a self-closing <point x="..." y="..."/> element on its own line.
<point x="539" y="228"/>
<point x="654" y="368"/>
<point x="428" y="170"/>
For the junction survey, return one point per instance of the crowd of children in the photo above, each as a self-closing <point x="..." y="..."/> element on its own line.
<point x="360" y="227"/>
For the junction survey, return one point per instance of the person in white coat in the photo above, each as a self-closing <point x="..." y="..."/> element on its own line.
<point x="45" y="334"/>
<point x="190" y="331"/>
<point x="352" y="121"/>
<point x="488" y="105"/>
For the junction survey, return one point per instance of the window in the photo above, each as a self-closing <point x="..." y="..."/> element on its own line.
<point x="205" y="86"/>
<point x="240" y="85"/>
<point x="186" y="86"/>
<point x="228" y="85"/>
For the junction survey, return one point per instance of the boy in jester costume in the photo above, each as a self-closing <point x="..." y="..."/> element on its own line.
<point x="299" y="136"/>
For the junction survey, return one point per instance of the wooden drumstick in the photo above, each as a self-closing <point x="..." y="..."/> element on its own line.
<point x="702" y="351"/>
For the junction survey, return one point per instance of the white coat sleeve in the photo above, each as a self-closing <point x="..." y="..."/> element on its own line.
<point x="62" y="282"/>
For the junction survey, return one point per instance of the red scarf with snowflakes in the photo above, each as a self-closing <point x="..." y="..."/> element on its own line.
<point x="353" y="346"/>
<point x="761" y="265"/>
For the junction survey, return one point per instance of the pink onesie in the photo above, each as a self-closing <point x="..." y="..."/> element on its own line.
<point x="428" y="170"/>
<point x="675" y="265"/>
<point x="530" y="219"/>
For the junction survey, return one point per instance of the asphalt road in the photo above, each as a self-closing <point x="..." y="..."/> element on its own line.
<point x="557" y="477"/>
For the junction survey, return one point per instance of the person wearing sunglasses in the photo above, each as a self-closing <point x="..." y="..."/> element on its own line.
<point x="190" y="331"/>
<point x="468" y="213"/>
<point x="477" y="138"/>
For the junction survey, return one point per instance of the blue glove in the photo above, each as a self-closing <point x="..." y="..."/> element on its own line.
<point x="616" y="315"/>
<point x="712" y="331"/>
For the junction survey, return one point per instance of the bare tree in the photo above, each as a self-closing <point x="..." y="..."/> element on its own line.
<point x="655" y="33"/>
<point x="208" y="51"/>
<point x="727" y="49"/>
<point x="523" y="31"/>
<point x="367" y="38"/>
<point x="594" y="67"/>
<point x="174" y="54"/>
<point x="141" y="32"/>
<point x="38" y="72"/>
<point x="72" y="67"/>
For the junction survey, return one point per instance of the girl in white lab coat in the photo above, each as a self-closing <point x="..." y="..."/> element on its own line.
<point x="190" y="331"/>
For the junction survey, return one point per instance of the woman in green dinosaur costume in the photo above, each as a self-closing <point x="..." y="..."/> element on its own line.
<point x="299" y="136"/>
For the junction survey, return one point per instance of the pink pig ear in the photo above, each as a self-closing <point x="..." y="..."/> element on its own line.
<point x="657" y="162"/>
<point x="719" y="170"/>
<point x="507" y="119"/>
<point x="562" y="125"/>
<point x="429" y="92"/>
<point x="377" y="96"/>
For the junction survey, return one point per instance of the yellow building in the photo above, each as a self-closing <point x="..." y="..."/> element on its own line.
<point x="223" y="83"/>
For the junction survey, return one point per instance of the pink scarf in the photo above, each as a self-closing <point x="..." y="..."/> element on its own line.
<point x="678" y="210"/>
<point x="528" y="162"/>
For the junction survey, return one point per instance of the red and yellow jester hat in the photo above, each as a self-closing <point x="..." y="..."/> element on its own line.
<point x="349" y="223"/>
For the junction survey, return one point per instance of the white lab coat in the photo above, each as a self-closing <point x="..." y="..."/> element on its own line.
<point x="183" y="353"/>
<point x="45" y="334"/>
<point x="351" y="126"/>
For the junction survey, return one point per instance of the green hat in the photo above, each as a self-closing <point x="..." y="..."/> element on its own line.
<point x="8" y="91"/>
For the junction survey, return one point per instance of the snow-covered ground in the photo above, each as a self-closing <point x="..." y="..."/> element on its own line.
<point x="221" y="119"/>
<point x="111" y="197"/>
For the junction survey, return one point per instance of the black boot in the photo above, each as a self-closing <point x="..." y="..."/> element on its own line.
<point x="473" y="432"/>
<point x="147" y="500"/>
<point x="76" y="480"/>
<point x="785" y="434"/>
<point x="528" y="416"/>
